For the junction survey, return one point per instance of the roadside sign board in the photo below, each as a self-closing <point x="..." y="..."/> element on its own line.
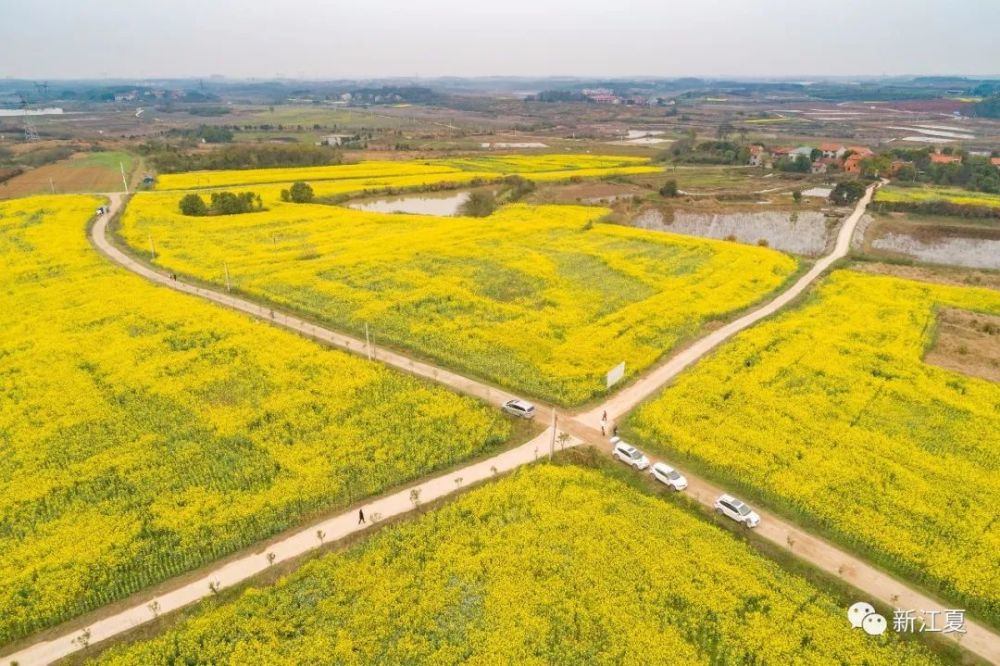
<point x="615" y="374"/>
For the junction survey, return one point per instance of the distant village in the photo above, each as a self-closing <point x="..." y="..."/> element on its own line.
<point x="832" y="157"/>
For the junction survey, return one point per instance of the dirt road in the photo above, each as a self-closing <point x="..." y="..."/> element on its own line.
<point x="628" y="398"/>
<point x="303" y="541"/>
<point x="584" y="428"/>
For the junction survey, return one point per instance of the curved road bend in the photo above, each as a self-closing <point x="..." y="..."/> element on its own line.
<point x="873" y="583"/>
<point x="453" y="380"/>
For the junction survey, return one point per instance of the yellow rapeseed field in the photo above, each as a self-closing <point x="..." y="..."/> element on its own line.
<point x="144" y="432"/>
<point x="536" y="167"/>
<point x="829" y="413"/>
<point x="557" y="565"/>
<point x="542" y="299"/>
<point x="927" y="194"/>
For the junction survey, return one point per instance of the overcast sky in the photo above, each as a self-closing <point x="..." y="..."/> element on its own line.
<point x="367" y="38"/>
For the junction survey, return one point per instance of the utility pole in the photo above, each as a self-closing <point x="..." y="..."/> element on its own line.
<point x="121" y="166"/>
<point x="368" y="343"/>
<point x="52" y="186"/>
<point x="152" y="249"/>
<point x="552" y="444"/>
<point x="225" y="266"/>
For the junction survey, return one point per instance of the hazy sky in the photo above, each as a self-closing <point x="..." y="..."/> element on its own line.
<point x="366" y="38"/>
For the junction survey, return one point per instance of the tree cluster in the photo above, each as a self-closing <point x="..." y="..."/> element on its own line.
<point x="214" y="134"/>
<point x="974" y="172"/>
<point x="221" y="203"/>
<point x="479" y="204"/>
<point x="800" y="164"/>
<point x="847" y="192"/>
<point x="707" y="152"/>
<point x="168" y="158"/>
<point x="299" y="192"/>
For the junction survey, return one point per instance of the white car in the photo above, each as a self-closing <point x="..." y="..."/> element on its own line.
<point x="736" y="509"/>
<point x="666" y="474"/>
<point x="520" y="408"/>
<point x="630" y="455"/>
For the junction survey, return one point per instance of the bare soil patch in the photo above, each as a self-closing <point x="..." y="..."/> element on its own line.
<point x="967" y="342"/>
<point x="592" y="192"/>
<point x="80" y="173"/>
<point x="940" y="274"/>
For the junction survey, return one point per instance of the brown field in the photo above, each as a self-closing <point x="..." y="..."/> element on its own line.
<point x="83" y="172"/>
<point x="959" y="277"/>
<point x="967" y="342"/>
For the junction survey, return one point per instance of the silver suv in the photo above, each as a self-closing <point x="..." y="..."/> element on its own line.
<point x="520" y="408"/>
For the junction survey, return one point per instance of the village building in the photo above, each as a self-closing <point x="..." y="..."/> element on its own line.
<point x="758" y="155"/>
<point x="896" y="165"/>
<point x="939" y="158"/>
<point x="832" y="150"/>
<point x="334" y="139"/>
<point x="804" y="151"/>
<point x="853" y="163"/>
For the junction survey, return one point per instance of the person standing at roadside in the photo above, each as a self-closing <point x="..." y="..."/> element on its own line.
<point x="361" y="516"/>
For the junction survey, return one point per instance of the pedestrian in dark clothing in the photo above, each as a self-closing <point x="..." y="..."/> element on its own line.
<point x="604" y="417"/>
<point x="614" y="430"/>
<point x="602" y="431"/>
<point x="361" y="516"/>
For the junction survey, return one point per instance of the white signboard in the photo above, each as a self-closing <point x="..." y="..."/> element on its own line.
<point x="615" y="374"/>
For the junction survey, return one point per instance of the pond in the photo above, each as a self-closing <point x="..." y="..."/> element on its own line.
<point x="444" y="204"/>
<point x="955" y="251"/>
<point x="805" y="232"/>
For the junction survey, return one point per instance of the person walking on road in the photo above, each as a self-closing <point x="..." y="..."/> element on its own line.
<point x="604" y="417"/>
<point x="361" y="516"/>
<point x="603" y="433"/>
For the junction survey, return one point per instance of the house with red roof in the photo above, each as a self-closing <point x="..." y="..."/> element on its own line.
<point x="939" y="158"/>
<point x="853" y="162"/>
<point x="758" y="155"/>
<point x="832" y="150"/>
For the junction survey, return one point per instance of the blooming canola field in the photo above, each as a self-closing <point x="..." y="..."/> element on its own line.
<point x="829" y="414"/>
<point x="540" y="299"/>
<point x="375" y="174"/>
<point x="144" y="433"/>
<point x="555" y="565"/>
<point x="928" y="194"/>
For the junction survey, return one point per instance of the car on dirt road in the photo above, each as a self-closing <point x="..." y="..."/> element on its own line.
<point x="737" y="510"/>
<point x="666" y="474"/>
<point x="519" y="408"/>
<point x="630" y="455"/>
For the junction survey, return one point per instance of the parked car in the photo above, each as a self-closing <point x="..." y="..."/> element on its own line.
<point x="738" y="510"/>
<point x="666" y="474"/>
<point x="630" y="455"/>
<point x="520" y="408"/>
